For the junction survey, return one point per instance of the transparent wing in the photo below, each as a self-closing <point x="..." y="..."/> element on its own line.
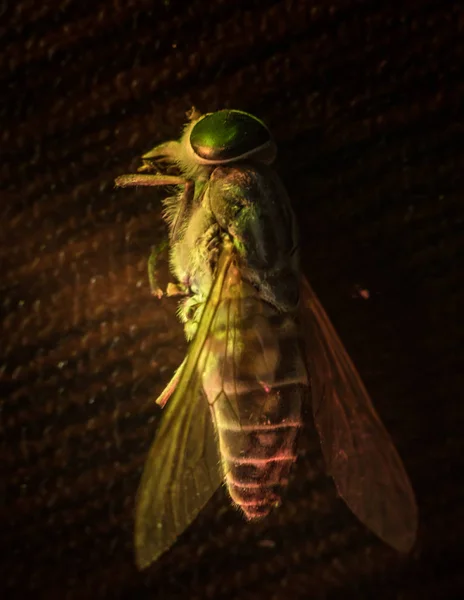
<point x="358" y="451"/>
<point x="183" y="468"/>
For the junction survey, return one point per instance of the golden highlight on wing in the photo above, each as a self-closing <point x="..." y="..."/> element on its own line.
<point x="183" y="467"/>
<point x="360" y="456"/>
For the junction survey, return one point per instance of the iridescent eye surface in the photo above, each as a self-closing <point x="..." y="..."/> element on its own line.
<point x="228" y="135"/>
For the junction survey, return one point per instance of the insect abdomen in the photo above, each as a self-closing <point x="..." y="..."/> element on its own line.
<point x="257" y="458"/>
<point x="256" y="396"/>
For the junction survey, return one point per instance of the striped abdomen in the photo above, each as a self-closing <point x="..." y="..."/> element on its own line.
<point x="255" y="394"/>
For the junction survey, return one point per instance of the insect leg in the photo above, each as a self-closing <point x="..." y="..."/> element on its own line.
<point x="177" y="289"/>
<point x="171" y="386"/>
<point x="148" y="179"/>
<point x="156" y="251"/>
<point x="185" y="200"/>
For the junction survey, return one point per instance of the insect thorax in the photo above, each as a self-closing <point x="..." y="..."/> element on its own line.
<point x="248" y="203"/>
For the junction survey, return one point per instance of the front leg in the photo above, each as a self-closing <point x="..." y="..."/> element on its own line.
<point x="180" y="206"/>
<point x="156" y="251"/>
<point x="148" y="180"/>
<point x="173" y="289"/>
<point x="177" y="208"/>
<point x="177" y="289"/>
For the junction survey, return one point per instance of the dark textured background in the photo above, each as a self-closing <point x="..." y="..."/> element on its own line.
<point x="366" y="103"/>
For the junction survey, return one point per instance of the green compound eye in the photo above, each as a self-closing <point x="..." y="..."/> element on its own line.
<point x="228" y="135"/>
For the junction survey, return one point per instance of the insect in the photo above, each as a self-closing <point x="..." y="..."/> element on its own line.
<point x="260" y="341"/>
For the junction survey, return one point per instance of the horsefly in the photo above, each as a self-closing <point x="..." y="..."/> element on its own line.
<point x="260" y="343"/>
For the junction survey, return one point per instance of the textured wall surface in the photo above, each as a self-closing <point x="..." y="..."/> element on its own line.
<point x="365" y="100"/>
